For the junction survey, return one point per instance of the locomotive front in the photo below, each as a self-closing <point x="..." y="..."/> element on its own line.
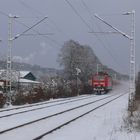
<point x="101" y="83"/>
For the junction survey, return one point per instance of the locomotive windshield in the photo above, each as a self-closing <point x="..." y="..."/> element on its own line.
<point x="99" y="77"/>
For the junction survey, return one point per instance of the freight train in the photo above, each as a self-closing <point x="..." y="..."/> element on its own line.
<point x="101" y="82"/>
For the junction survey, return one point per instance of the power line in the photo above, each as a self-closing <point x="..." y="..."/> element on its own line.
<point x="109" y="52"/>
<point x="89" y="26"/>
<point x="108" y="44"/>
<point x="77" y="13"/>
<point x="29" y="28"/>
<point x="29" y="7"/>
<point x="40" y="13"/>
<point x="86" y="7"/>
<point x="4" y="14"/>
<point x="38" y="33"/>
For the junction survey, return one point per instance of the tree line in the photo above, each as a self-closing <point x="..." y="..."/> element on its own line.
<point x="78" y="63"/>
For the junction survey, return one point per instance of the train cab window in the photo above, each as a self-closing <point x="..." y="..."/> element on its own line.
<point x="99" y="77"/>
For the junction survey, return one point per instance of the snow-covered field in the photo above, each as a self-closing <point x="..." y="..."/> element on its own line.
<point x="105" y="123"/>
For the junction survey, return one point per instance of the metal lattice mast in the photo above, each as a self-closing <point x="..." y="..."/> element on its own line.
<point x="9" y="59"/>
<point x="9" y="54"/>
<point x="8" y="79"/>
<point x="132" y="62"/>
<point x="132" y="73"/>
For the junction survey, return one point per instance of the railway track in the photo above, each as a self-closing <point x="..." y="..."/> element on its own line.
<point x="37" y="104"/>
<point x="107" y="99"/>
<point x="74" y="119"/>
<point x="47" y="106"/>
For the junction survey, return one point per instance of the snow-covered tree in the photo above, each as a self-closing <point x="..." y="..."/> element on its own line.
<point x="73" y="56"/>
<point x="138" y="85"/>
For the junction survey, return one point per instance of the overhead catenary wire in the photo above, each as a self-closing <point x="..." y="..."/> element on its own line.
<point x="117" y="30"/>
<point x="77" y="13"/>
<point x="70" y="4"/>
<point x="29" y="28"/>
<point x="27" y="6"/>
<point x="38" y="33"/>
<point x="31" y="8"/>
<point x="23" y="33"/>
<point x="103" y="33"/>
<point x="87" y="8"/>
<point x="108" y="44"/>
<point x="4" y="14"/>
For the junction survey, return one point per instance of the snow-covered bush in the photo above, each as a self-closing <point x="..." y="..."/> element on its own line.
<point x="2" y="100"/>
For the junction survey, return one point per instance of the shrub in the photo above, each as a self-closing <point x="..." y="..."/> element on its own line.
<point x="2" y="100"/>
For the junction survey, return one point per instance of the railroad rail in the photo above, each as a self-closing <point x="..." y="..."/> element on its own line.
<point x="74" y="119"/>
<point x="37" y="104"/>
<point x="48" y="106"/>
<point x="62" y="112"/>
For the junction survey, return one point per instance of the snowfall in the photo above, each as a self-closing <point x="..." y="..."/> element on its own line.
<point x="105" y="123"/>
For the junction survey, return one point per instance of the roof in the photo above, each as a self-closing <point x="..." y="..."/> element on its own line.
<point x="24" y="73"/>
<point x="2" y="74"/>
<point x="16" y="75"/>
<point x="28" y="81"/>
<point x="2" y="71"/>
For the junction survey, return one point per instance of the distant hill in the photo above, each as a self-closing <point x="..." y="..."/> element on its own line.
<point x="51" y="72"/>
<point x="35" y="69"/>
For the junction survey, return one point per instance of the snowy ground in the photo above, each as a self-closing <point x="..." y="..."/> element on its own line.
<point x="105" y="123"/>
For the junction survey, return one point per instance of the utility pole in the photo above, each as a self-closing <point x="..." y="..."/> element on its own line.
<point x="78" y="71"/>
<point x="9" y="54"/>
<point x="9" y="59"/>
<point x="8" y="79"/>
<point x="132" y="73"/>
<point x="132" y="64"/>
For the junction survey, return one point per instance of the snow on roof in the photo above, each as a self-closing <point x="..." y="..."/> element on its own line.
<point x="2" y="74"/>
<point x="28" y="81"/>
<point x="15" y="75"/>
<point x="2" y="71"/>
<point x="24" y="73"/>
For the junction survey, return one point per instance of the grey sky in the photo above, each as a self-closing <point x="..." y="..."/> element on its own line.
<point x="113" y="50"/>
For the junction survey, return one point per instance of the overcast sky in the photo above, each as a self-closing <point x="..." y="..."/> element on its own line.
<point x="64" y="23"/>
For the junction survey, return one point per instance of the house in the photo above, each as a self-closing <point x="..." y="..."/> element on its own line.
<point x="26" y="78"/>
<point x="27" y="75"/>
<point x="22" y="78"/>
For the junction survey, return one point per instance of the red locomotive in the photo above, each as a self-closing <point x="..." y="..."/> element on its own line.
<point x="101" y="83"/>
